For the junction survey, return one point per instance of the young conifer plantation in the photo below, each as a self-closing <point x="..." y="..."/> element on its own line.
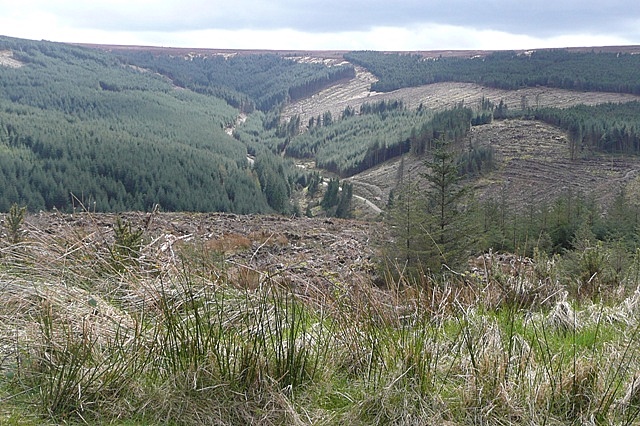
<point x="173" y="251"/>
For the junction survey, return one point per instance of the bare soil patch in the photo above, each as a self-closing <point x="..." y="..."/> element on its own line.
<point x="7" y="60"/>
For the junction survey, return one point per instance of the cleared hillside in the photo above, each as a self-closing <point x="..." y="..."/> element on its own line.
<point x="355" y="92"/>
<point x="533" y="158"/>
<point x="533" y="166"/>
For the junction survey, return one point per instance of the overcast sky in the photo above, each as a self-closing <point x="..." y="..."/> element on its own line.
<point x="327" y="24"/>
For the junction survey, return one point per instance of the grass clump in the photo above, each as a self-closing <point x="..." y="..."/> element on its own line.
<point x="175" y="338"/>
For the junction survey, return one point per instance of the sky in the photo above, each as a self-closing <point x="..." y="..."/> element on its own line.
<point x="400" y="25"/>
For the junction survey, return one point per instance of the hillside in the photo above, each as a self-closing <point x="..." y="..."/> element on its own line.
<point x="532" y="167"/>
<point x="83" y="126"/>
<point x="131" y="127"/>
<point x="302" y="252"/>
<point x="533" y="159"/>
<point x="440" y="96"/>
<point x="240" y="319"/>
<point x="184" y="283"/>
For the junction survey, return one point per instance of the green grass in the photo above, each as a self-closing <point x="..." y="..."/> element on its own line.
<point x="173" y="339"/>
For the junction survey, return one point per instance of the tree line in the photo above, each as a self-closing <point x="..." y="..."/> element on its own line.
<point x="612" y="128"/>
<point x="584" y="71"/>
<point x="380" y="132"/>
<point x="262" y="81"/>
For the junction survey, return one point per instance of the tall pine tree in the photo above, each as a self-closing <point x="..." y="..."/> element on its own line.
<point x="445" y="223"/>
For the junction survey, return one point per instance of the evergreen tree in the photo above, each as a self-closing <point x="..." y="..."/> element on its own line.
<point x="314" y="183"/>
<point x="444" y="222"/>
<point x="330" y="198"/>
<point x="406" y="217"/>
<point x="343" y="210"/>
<point x="327" y="119"/>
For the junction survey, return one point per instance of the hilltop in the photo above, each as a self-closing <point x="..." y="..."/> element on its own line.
<point x="336" y="54"/>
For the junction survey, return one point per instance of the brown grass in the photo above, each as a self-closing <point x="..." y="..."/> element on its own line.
<point x="159" y="341"/>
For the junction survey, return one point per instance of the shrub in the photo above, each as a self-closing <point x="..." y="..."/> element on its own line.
<point x="125" y="251"/>
<point x="13" y="224"/>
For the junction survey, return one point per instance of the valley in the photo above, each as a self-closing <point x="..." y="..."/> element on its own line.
<point x="533" y="158"/>
<point x="166" y="259"/>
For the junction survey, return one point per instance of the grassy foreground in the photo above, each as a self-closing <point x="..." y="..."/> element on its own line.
<point x="133" y="329"/>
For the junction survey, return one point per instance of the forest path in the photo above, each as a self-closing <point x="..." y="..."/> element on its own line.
<point x="369" y="204"/>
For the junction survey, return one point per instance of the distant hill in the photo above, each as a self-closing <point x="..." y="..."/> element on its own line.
<point x="602" y="71"/>
<point x="80" y="125"/>
<point x="116" y="128"/>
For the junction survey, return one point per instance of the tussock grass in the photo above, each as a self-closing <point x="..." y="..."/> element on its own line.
<point x="178" y="335"/>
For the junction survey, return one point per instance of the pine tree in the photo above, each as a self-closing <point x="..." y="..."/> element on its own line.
<point x="14" y="222"/>
<point x="343" y="210"/>
<point x="445" y="223"/>
<point x="406" y="217"/>
<point x="330" y="198"/>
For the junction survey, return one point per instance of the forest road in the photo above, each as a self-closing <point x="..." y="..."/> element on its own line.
<point x="369" y="204"/>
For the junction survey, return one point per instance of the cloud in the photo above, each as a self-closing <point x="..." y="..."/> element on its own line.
<point x="332" y="24"/>
<point x="537" y="18"/>
<point x="418" y="37"/>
